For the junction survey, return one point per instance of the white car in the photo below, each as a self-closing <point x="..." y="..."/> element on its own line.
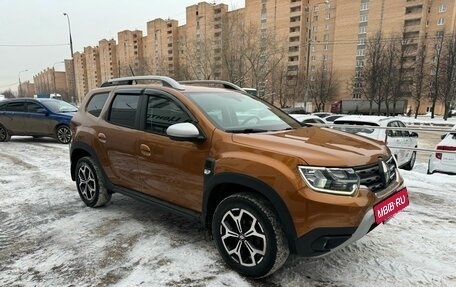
<point x="308" y="119"/>
<point x="394" y="139"/>
<point x="444" y="162"/>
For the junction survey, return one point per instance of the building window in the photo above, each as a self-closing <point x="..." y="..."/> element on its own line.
<point x="327" y="26"/>
<point x="325" y="57"/>
<point x="359" y="63"/>
<point x="360" y="52"/>
<point x="312" y="48"/>
<point x="325" y="47"/>
<point x="356" y="96"/>
<point x="442" y="8"/>
<point x="364" y="6"/>
<point x="441" y="21"/>
<point x="327" y="16"/>
<point x="326" y="37"/>
<point x="313" y="58"/>
<point x="363" y="30"/>
<point x="316" y="8"/>
<point x="363" y="18"/>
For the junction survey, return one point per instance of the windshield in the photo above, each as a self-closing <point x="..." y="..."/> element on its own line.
<point x="57" y="106"/>
<point x="235" y="112"/>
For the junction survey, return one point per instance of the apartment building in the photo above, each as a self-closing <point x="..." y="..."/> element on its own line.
<point x="417" y="22"/>
<point x="108" y="60"/>
<point x="93" y="67"/>
<point x="130" y="55"/>
<point x="200" y="41"/>
<point x="69" y="78"/>
<point x="48" y="81"/>
<point x="26" y="89"/>
<point x="80" y="70"/>
<point x="161" y="54"/>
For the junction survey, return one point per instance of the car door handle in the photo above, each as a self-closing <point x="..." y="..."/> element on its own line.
<point x="145" y="150"/>
<point x="102" y="137"/>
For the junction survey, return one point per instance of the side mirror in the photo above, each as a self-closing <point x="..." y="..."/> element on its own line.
<point x="443" y="136"/>
<point x="184" y="132"/>
<point x="413" y="134"/>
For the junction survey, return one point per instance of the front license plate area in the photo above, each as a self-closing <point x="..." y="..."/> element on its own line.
<point x="390" y="206"/>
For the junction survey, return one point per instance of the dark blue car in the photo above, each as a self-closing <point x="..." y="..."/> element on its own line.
<point x="36" y="117"/>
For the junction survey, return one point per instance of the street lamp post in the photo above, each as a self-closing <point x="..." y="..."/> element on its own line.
<point x="19" y="92"/>
<point x="73" y="99"/>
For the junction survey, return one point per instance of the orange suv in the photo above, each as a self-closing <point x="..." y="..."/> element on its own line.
<point x="264" y="185"/>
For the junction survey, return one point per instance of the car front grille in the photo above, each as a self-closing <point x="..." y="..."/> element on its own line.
<point x="377" y="176"/>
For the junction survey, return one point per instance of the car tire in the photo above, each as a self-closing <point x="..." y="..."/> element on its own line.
<point x="4" y="134"/>
<point x="248" y="235"/>
<point x="411" y="163"/>
<point x="90" y="186"/>
<point x="63" y="134"/>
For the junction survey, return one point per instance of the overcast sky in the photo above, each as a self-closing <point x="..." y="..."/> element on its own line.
<point x="34" y="33"/>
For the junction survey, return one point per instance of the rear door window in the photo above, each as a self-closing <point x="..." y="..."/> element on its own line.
<point x="96" y="104"/>
<point x="124" y="110"/>
<point x="16" y="107"/>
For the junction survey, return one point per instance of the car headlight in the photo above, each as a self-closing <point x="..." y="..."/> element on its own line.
<point x="342" y="181"/>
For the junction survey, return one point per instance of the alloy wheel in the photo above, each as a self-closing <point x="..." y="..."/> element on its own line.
<point x="86" y="182"/>
<point x="64" y="135"/>
<point x="243" y="237"/>
<point x="3" y="134"/>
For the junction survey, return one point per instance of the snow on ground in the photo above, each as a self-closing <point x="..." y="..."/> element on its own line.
<point x="49" y="238"/>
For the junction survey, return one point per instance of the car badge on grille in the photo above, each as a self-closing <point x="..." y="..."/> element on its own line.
<point x="385" y="171"/>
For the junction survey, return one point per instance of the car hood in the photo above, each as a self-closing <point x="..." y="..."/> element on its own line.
<point x="318" y="146"/>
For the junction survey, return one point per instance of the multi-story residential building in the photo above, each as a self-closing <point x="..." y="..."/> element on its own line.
<point x="130" y="54"/>
<point x="108" y="60"/>
<point x="200" y="41"/>
<point x="93" y="69"/>
<point x="27" y="89"/>
<point x="161" y="55"/>
<point x="417" y="22"/>
<point x="49" y="81"/>
<point x="80" y="75"/>
<point x="70" y="80"/>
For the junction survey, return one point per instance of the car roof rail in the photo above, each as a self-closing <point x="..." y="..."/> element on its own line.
<point x="225" y="84"/>
<point x="166" y="81"/>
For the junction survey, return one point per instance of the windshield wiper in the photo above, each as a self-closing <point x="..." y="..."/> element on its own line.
<point x="247" y="131"/>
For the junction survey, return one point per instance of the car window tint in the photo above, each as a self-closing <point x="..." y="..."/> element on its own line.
<point x="393" y="133"/>
<point x="123" y="110"/>
<point x="163" y="112"/>
<point x="33" y="107"/>
<point x="16" y="107"/>
<point x="404" y="133"/>
<point x="96" y="104"/>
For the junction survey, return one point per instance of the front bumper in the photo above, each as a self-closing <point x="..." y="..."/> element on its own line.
<point x="322" y="241"/>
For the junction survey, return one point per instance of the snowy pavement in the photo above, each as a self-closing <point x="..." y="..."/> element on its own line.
<point x="49" y="238"/>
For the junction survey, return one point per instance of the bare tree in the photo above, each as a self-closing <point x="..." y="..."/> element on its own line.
<point x="437" y="71"/>
<point x="263" y="52"/>
<point x="8" y="94"/>
<point x="419" y="78"/>
<point x="370" y="75"/>
<point x="448" y="68"/>
<point x="323" y="87"/>
<point x="395" y="55"/>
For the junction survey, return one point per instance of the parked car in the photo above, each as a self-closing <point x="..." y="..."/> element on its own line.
<point x="295" y="110"/>
<point x="262" y="184"/>
<point x="444" y="162"/>
<point x="395" y="139"/>
<point x="321" y="114"/>
<point x="36" y="117"/>
<point x="308" y="119"/>
<point x="332" y="117"/>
